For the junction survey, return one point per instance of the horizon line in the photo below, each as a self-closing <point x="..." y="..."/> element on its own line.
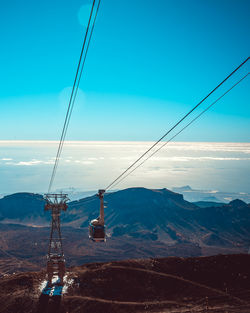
<point x="112" y="141"/>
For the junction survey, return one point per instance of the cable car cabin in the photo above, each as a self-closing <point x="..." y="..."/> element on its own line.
<point x="97" y="232"/>
<point x="96" y="226"/>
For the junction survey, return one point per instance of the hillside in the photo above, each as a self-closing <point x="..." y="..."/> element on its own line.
<point x="140" y="223"/>
<point x="218" y="284"/>
<point x="162" y="215"/>
<point x="24" y="248"/>
<point x="158" y="214"/>
<point x="23" y="208"/>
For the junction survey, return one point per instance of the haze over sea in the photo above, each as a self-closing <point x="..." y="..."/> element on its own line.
<point x="27" y="165"/>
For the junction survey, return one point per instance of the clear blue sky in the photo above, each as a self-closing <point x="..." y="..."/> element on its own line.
<point x="149" y="62"/>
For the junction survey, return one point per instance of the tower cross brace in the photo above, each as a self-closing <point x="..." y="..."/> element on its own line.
<point x="55" y="258"/>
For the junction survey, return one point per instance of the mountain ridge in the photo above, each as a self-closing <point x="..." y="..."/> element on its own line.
<point x="157" y="214"/>
<point x="140" y="222"/>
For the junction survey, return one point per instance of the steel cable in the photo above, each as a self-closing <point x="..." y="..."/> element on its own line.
<point x="83" y="63"/>
<point x="191" y="122"/>
<point x="172" y="128"/>
<point x="73" y="94"/>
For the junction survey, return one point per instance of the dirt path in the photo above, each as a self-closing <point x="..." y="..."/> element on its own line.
<point x="220" y="292"/>
<point x="128" y="302"/>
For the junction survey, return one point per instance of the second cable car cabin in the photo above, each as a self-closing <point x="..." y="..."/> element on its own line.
<point x="96" y="226"/>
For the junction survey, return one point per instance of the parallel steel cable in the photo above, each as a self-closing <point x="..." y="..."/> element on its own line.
<point x="172" y="128"/>
<point x="191" y="122"/>
<point x="83" y="63"/>
<point x="70" y="103"/>
<point x="79" y="78"/>
<point x="69" y="106"/>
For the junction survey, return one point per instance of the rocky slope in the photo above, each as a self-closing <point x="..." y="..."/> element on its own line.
<point x="215" y="284"/>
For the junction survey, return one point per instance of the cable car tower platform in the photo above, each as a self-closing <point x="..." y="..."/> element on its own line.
<point x="56" y="262"/>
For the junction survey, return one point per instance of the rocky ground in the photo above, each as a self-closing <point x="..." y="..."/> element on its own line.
<point x="205" y="284"/>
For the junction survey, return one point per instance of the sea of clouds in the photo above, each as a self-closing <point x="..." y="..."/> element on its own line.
<point x="27" y="165"/>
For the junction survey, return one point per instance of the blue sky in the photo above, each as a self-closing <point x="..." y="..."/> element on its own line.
<point x="149" y="62"/>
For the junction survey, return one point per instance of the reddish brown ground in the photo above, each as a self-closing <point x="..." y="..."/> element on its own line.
<point x="206" y="284"/>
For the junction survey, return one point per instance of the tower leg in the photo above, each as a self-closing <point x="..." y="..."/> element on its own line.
<point x="50" y="271"/>
<point x="61" y="271"/>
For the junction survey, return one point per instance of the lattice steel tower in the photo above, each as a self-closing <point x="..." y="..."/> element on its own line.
<point x="56" y="262"/>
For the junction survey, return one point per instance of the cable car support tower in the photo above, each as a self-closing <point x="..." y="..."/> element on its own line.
<point x="56" y="262"/>
<point x="57" y="202"/>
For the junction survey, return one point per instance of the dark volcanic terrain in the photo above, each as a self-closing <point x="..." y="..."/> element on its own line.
<point x="205" y="284"/>
<point x="141" y="223"/>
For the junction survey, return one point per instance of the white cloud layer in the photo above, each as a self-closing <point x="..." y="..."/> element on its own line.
<point x="29" y="163"/>
<point x="92" y="165"/>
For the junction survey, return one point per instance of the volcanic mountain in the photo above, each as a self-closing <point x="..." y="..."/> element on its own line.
<point x="165" y="216"/>
<point x="140" y="223"/>
<point x="23" y="207"/>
